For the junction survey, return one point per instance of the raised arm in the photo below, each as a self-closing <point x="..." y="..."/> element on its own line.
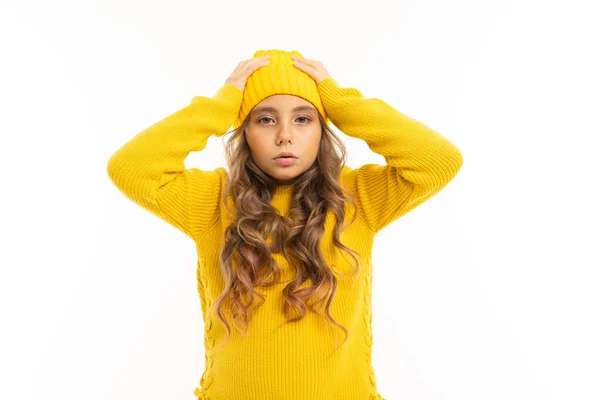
<point x="149" y="169"/>
<point x="419" y="161"/>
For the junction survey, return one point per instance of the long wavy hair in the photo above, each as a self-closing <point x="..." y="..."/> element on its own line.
<point x="246" y="260"/>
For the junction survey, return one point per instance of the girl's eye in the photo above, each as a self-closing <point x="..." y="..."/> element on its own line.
<point x="263" y="118"/>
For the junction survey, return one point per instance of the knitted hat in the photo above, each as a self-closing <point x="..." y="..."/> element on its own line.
<point x="280" y="76"/>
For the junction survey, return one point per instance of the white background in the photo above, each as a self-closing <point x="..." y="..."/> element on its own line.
<point x="487" y="291"/>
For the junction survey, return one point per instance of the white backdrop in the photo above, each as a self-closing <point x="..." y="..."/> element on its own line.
<point x="487" y="291"/>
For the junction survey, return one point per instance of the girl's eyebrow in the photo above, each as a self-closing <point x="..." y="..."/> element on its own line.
<point x="274" y="110"/>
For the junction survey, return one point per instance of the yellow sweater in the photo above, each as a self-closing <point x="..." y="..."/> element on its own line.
<point x="292" y="362"/>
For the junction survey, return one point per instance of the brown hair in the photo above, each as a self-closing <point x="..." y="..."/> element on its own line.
<point x="298" y="236"/>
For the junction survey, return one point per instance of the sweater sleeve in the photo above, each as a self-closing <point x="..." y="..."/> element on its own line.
<point x="419" y="161"/>
<point x="149" y="169"/>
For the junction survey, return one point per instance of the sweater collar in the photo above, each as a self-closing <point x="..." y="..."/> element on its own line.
<point x="283" y="190"/>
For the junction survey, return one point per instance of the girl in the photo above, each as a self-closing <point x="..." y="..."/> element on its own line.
<point x="284" y="236"/>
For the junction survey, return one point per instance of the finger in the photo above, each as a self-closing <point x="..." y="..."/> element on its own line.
<point x="307" y="69"/>
<point x="260" y="61"/>
<point x="305" y="60"/>
<point x="255" y="60"/>
<point x="257" y="63"/>
<point x="304" y="66"/>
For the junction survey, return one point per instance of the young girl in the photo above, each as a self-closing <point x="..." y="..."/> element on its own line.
<point x="284" y="236"/>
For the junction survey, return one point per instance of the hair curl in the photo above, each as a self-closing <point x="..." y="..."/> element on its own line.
<point x="298" y="236"/>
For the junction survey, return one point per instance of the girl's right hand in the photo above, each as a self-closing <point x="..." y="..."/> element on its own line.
<point x="242" y="72"/>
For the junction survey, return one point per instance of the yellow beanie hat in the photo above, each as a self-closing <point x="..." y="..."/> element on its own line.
<point x="280" y="76"/>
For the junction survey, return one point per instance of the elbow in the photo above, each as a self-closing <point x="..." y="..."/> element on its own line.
<point x="112" y="168"/>
<point x="456" y="161"/>
<point x="448" y="166"/>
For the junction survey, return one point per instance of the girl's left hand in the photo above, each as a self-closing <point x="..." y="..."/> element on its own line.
<point x="313" y="68"/>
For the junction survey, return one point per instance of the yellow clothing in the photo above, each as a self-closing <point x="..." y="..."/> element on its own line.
<point x="294" y="361"/>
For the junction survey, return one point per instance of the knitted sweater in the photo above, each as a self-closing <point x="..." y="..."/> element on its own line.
<point x="292" y="362"/>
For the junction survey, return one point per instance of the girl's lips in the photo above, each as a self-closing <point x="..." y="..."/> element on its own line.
<point x="283" y="161"/>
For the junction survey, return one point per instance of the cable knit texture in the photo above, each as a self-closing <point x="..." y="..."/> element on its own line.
<point x="295" y="361"/>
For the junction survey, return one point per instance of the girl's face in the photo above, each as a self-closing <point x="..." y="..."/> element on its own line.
<point x="287" y="123"/>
